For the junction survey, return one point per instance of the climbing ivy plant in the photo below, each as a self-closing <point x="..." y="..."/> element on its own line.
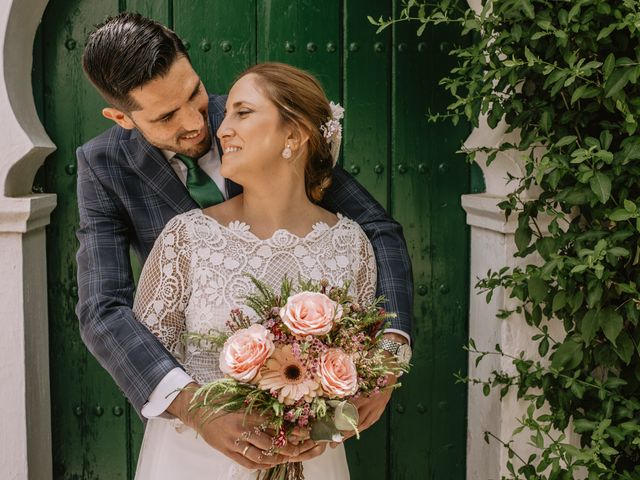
<point x="564" y="75"/>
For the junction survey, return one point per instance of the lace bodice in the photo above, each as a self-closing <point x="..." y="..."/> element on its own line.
<point x="196" y="273"/>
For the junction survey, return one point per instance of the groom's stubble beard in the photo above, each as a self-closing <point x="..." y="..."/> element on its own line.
<point x="193" y="151"/>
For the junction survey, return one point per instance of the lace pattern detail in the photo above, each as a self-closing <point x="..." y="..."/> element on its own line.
<point x="196" y="273"/>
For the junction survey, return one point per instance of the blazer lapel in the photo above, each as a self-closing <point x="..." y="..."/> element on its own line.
<point x="151" y="165"/>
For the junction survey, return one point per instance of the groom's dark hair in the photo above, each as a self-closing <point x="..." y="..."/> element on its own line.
<point x="126" y="52"/>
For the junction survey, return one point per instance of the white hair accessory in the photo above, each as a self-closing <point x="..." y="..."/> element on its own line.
<point x="332" y="130"/>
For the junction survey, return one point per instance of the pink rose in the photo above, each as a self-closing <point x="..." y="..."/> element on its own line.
<point x="338" y="374"/>
<point x="310" y="313"/>
<point x="245" y="352"/>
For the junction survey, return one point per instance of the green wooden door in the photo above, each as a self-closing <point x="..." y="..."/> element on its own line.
<point x="387" y="83"/>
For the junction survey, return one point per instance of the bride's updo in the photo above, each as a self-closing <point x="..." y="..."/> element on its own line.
<point x="302" y="104"/>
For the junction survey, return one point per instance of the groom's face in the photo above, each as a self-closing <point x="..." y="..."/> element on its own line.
<point x="173" y="111"/>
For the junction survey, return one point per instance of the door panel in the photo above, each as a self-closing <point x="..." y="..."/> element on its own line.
<point x="220" y="36"/>
<point x="304" y="33"/>
<point x="428" y="413"/>
<point x="386" y="82"/>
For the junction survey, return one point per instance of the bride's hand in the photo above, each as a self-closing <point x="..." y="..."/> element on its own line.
<point x="236" y="435"/>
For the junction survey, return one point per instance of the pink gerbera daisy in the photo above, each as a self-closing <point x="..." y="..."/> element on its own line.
<point x="285" y="375"/>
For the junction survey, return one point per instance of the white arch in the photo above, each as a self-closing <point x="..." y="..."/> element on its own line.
<point x="25" y="420"/>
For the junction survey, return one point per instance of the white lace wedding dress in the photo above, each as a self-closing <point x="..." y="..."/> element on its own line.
<point x="194" y="276"/>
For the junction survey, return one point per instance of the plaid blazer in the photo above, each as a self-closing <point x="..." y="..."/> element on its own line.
<point x="127" y="192"/>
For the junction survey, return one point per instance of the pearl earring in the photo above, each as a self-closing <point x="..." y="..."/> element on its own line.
<point x="286" y="153"/>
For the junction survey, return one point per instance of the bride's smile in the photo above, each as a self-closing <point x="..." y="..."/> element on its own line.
<point x="253" y="136"/>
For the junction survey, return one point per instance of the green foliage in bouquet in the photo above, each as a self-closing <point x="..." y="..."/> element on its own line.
<point x="564" y="75"/>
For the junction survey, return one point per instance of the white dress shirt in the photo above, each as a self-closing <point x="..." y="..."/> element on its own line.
<point x="174" y="381"/>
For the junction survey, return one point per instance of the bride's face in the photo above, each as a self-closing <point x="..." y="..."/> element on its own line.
<point x="252" y="134"/>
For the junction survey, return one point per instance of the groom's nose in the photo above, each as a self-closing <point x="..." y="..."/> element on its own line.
<point x="192" y="119"/>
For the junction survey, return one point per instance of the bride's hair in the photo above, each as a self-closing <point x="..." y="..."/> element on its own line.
<point x="302" y="104"/>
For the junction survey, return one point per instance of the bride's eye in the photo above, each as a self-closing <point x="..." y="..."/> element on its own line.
<point x="244" y="113"/>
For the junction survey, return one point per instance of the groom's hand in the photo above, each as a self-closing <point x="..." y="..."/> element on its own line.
<point x="371" y="408"/>
<point x="236" y="436"/>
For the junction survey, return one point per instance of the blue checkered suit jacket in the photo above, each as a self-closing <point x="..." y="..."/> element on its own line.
<point x="127" y="192"/>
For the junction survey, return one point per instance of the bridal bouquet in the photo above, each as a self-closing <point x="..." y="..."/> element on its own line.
<point x="298" y="363"/>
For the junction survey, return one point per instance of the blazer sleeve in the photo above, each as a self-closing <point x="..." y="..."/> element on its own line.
<point x="133" y="356"/>
<point x="395" y="279"/>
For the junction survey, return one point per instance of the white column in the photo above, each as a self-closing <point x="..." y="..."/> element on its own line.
<point x="25" y="419"/>
<point x="492" y="247"/>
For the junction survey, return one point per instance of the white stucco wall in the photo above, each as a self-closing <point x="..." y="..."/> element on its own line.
<point x="25" y="421"/>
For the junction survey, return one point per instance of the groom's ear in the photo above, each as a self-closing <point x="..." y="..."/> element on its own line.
<point x="119" y="117"/>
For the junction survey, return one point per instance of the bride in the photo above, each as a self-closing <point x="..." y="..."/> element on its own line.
<point x="277" y="138"/>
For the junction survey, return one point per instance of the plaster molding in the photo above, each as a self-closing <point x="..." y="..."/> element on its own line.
<point x="24" y="214"/>
<point x="24" y="140"/>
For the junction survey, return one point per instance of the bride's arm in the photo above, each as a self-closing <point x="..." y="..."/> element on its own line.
<point x="365" y="281"/>
<point x="164" y="287"/>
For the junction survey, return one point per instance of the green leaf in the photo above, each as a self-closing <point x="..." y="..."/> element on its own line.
<point x="618" y="252"/>
<point x="545" y="247"/>
<point x="531" y="58"/>
<point x="630" y="206"/>
<point x="527" y="8"/>
<point x="609" y="65"/>
<point x="539" y="35"/>
<point x="601" y="186"/>
<point x="620" y="215"/>
<point x="543" y="347"/>
<point x="578" y="93"/>
<point x="523" y="237"/>
<point x="564" y="141"/>
<point x="559" y="301"/>
<point x="582" y="425"/>
<point x="590" y="325"/>
<point x="625" y="348"/>
<point x="605" y="139"/>
<point x="617" y="81"/>
<point x="568" y="355"/>
<point x="606" y="31"/>
<point x="611" y="324"/>
<point x="537" y="289"/>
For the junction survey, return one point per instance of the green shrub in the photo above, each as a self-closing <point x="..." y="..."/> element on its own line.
<point x="565" y="75"/>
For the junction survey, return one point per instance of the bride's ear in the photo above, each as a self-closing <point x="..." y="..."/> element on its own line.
<point x="297" y="138"/>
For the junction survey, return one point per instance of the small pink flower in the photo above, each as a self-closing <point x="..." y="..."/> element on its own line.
<point x="310" y="313"/>
<point x="338" y="374"/>
<point x="245" y="352"/>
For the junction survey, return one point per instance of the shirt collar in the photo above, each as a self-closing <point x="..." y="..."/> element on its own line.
<point x="171" y="156"/>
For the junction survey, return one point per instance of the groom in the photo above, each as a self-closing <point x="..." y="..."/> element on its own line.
<point x="153" y="165"/>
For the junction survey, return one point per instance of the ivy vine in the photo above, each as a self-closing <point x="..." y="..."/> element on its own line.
<point x="564" y="75"/>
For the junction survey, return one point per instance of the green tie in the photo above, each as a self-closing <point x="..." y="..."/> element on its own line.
<point x="202" y="189"/>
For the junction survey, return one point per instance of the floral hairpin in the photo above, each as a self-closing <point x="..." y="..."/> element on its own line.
<point x="332" y="130"/>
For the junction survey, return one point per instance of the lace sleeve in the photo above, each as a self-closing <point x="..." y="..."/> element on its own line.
<point x="165" y="287"/>
<point x="366" y="278"/>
